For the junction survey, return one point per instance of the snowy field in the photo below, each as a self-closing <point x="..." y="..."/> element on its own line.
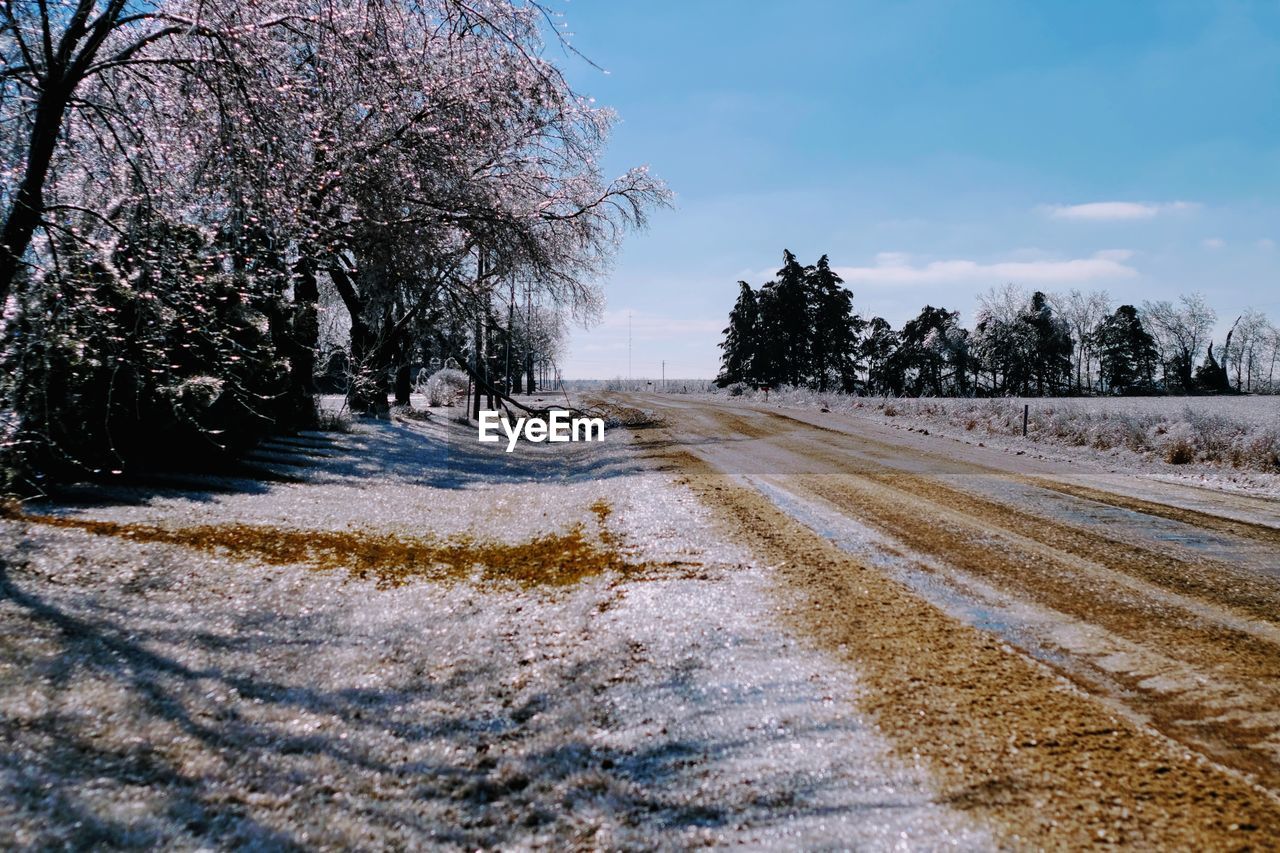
<point x="1230" y="443"/>
<point x="161" y="689"/>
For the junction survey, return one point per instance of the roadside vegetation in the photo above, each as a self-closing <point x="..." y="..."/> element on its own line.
<point x="1240" y="433"/>
<point x="214" y="211"/>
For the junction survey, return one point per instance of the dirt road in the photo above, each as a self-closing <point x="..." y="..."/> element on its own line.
<point x="1076" y="656"/>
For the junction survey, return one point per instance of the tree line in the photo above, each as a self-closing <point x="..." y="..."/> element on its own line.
<point x="801" y="329"/>
<point x="211" y="206"/>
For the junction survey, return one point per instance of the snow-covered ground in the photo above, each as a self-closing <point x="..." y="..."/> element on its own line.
<point x="154" y="694"/>
<point x="1229" y="443"/>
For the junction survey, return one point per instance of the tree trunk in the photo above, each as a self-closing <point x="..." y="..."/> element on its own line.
<point x="367" y="393"/>
<point x="476" y="360"/>
<point x="486" y="373"/>
<point x="403" y="386"/>
<point x="303" y="338"/>
<point x="28" y="204"/>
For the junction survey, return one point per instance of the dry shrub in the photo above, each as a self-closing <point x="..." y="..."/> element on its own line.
<point x="1179" y="452"/>
<point x="409" y="413"/>
<point x="890" y="410"/>
<point x="1117" y="431"/>
<point x="329" y="421"/>
<point x="1263" y="451"/>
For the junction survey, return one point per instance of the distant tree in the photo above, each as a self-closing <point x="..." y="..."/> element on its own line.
<point x="788" y="322"/>
<point x="741" y="339"/>
<point x="799" y="329"/>
<point x="876" y="351"/>
<point x="1126" y="352"/>
<point x="1250" y="339"/>
<point x="961" y="358"/>
<point x="1082" y="312"/>
<point x="1212" y="376"/>
<point x="1180" y="332"/>
<point x="771" y="347"/>
<point x="929" y="359"/>
<point x="834" y="330"/>
<point x="1271" y="337"/>
<point x="1000" y="341"/>
<point x="1050" y="346"/>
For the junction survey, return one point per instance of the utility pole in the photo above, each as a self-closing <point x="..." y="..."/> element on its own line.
<point x="628" y="346"/>
<point x="511" y="332"/>
<point x="478" y="357"/>
<point x="488" y="348"/>
<point x="664" y="374"/>
<point x="528" y="337"/>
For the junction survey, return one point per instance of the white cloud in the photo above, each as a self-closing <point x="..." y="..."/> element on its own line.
<point x="1107" y="211"/>
<point x="1266" y="244"/>
<point x="892" y="259"/>
<point x="1117" y="255"/>
<point x="1214" y="243"/>
<point x="897" y="269"/>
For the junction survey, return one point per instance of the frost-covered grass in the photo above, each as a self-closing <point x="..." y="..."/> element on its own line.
<point x="1234" y="432"/>
<point x="1241" y="433"/>
<point x="153" y="695"/>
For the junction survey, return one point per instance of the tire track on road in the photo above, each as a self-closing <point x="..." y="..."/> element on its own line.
<point x="1191" y="640"/>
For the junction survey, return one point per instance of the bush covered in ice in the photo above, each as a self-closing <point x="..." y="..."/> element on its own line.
<point x="446" y="387"/>
<point x="1242" y="432"/>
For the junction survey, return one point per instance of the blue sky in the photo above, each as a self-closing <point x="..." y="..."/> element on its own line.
<point x="932" y="150"/>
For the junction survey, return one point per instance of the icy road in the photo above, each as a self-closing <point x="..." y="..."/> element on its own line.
<point x="1073" y="654"/>
<point x="731" y="628"/>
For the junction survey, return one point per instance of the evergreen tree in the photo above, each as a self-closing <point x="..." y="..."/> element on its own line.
<point x="799" y="329"/>
<point x="1050" y="346"/>
<point x="791" y="320"/>
<point x="741" y="339"/>
<point x="1126" y="351"/>
<point x="877" y="349"/>
<point x="771" y="347"/>
<point x="834" y="329"/>
<point x="932" y="355"/>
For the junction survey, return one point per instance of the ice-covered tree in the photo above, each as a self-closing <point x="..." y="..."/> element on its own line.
<point x="834" y="329"/>
<point x="1082" y="313"/>
<point x="741" y="339"/>
<point x="1126" y="352"/>
<point x="1181" y="333"/>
